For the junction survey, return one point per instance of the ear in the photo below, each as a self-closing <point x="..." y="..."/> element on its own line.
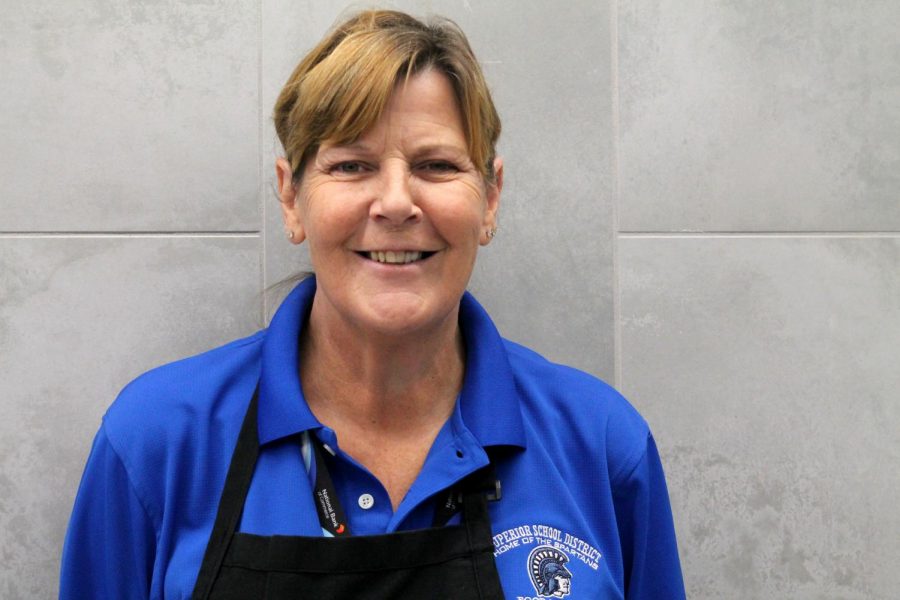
<point x="492" y="203"/>
<point x="290" y="206"/>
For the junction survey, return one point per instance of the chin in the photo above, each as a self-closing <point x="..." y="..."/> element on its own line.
<point x="404" y="316"/>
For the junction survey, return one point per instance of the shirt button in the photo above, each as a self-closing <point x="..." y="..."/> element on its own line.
<point x="366" y="501"/>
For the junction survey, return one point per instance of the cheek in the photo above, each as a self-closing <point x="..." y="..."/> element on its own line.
<point x="324" y="226"/>
<point x="330" y="219"/>
<point x="458" y="212"/>
<point x="460" y="225"/>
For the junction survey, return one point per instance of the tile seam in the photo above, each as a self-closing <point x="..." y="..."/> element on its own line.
<point x="121" y="234"/>
<point x="755" y="234"/>
<point x="261" y="194"/>
<point x="616" y="294"/>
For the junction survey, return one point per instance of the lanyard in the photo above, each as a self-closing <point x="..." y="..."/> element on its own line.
<point x="331" y="513"/>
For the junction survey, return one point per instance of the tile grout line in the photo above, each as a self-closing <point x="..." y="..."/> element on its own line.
<point x="755" y="234"/>
<point x="126" y="234"/>
<point x="616" y="295"/>
<point x="261" y="195"/>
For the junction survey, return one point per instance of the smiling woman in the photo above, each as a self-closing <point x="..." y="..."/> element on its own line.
<point x="379" y="439"/>
<point x="406" y="188"/>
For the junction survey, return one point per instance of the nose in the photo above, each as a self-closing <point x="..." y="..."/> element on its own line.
<point x="396" y="203"/>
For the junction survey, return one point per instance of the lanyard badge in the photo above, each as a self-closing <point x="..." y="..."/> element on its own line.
<point x="331" y="513"/>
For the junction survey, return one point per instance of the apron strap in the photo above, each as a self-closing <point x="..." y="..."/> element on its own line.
<point x="231" y="504"/>
<point x="480" y="538"/>
<point x="483" y="481"/>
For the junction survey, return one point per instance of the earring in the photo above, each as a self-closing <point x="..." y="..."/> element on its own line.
<point x="290" y="234"/>
<point x="491" y="233"/>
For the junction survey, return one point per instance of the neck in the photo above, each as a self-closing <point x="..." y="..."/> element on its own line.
<point x="394" y="385"/>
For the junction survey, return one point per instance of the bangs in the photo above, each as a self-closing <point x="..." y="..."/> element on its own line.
<point x="342" y="87"/>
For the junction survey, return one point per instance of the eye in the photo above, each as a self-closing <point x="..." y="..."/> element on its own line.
<point x="438" y="167"/>
<point x="348" y="167"/>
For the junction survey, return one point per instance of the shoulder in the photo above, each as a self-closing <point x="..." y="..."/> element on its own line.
<point x="183" y="387"/>
<point x="182" y="413"/>
<point x="594" y="415"/>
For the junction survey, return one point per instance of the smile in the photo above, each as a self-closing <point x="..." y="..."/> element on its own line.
<point x="396" y="257"/>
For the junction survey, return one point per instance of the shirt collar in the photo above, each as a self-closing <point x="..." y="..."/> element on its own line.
<point x="489" y="401"/>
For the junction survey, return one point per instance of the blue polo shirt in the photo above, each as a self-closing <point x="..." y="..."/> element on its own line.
<point x="582" y="483"/>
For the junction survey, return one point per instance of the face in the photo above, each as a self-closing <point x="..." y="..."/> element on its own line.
<point x="394" y="219"/>
<point x="564" y="584"/>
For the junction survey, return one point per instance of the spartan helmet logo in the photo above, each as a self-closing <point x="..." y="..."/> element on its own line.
<point x="548" y="574"/>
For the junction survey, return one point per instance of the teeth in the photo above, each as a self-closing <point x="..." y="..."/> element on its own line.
<point x="395" y="258"/>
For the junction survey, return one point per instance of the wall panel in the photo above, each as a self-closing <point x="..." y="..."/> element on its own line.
<point x="129" y="116"/>
<point x="741" y="116"/>
<point x="79" y="318"/>
<point x="767" y="366"/>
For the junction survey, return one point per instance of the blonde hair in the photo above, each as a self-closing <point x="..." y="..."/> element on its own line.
<point x="340" y="89"/>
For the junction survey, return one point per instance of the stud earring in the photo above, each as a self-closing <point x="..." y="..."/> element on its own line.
<point x="290" y="234"/>
<point x="491" y="233"/>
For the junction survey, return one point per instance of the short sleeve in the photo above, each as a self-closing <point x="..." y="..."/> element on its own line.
<point x="110" y="543"/>
<point x="644" y="517"/>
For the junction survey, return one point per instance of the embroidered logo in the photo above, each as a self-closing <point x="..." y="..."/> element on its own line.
<point x="550" y="577"/>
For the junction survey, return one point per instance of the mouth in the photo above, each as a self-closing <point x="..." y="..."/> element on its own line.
<point x="396" y="257"/>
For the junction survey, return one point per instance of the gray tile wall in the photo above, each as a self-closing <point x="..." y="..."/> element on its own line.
<point x="702" y="206"/>
<point x="758" y="322"/>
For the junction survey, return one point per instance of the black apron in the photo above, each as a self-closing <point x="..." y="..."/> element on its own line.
<point x="455" y="562"/>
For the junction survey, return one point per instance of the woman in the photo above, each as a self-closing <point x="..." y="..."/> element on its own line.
<point x="379" y="439"/>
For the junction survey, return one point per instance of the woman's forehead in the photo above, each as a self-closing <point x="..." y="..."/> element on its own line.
<point x="422" y="112"/>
